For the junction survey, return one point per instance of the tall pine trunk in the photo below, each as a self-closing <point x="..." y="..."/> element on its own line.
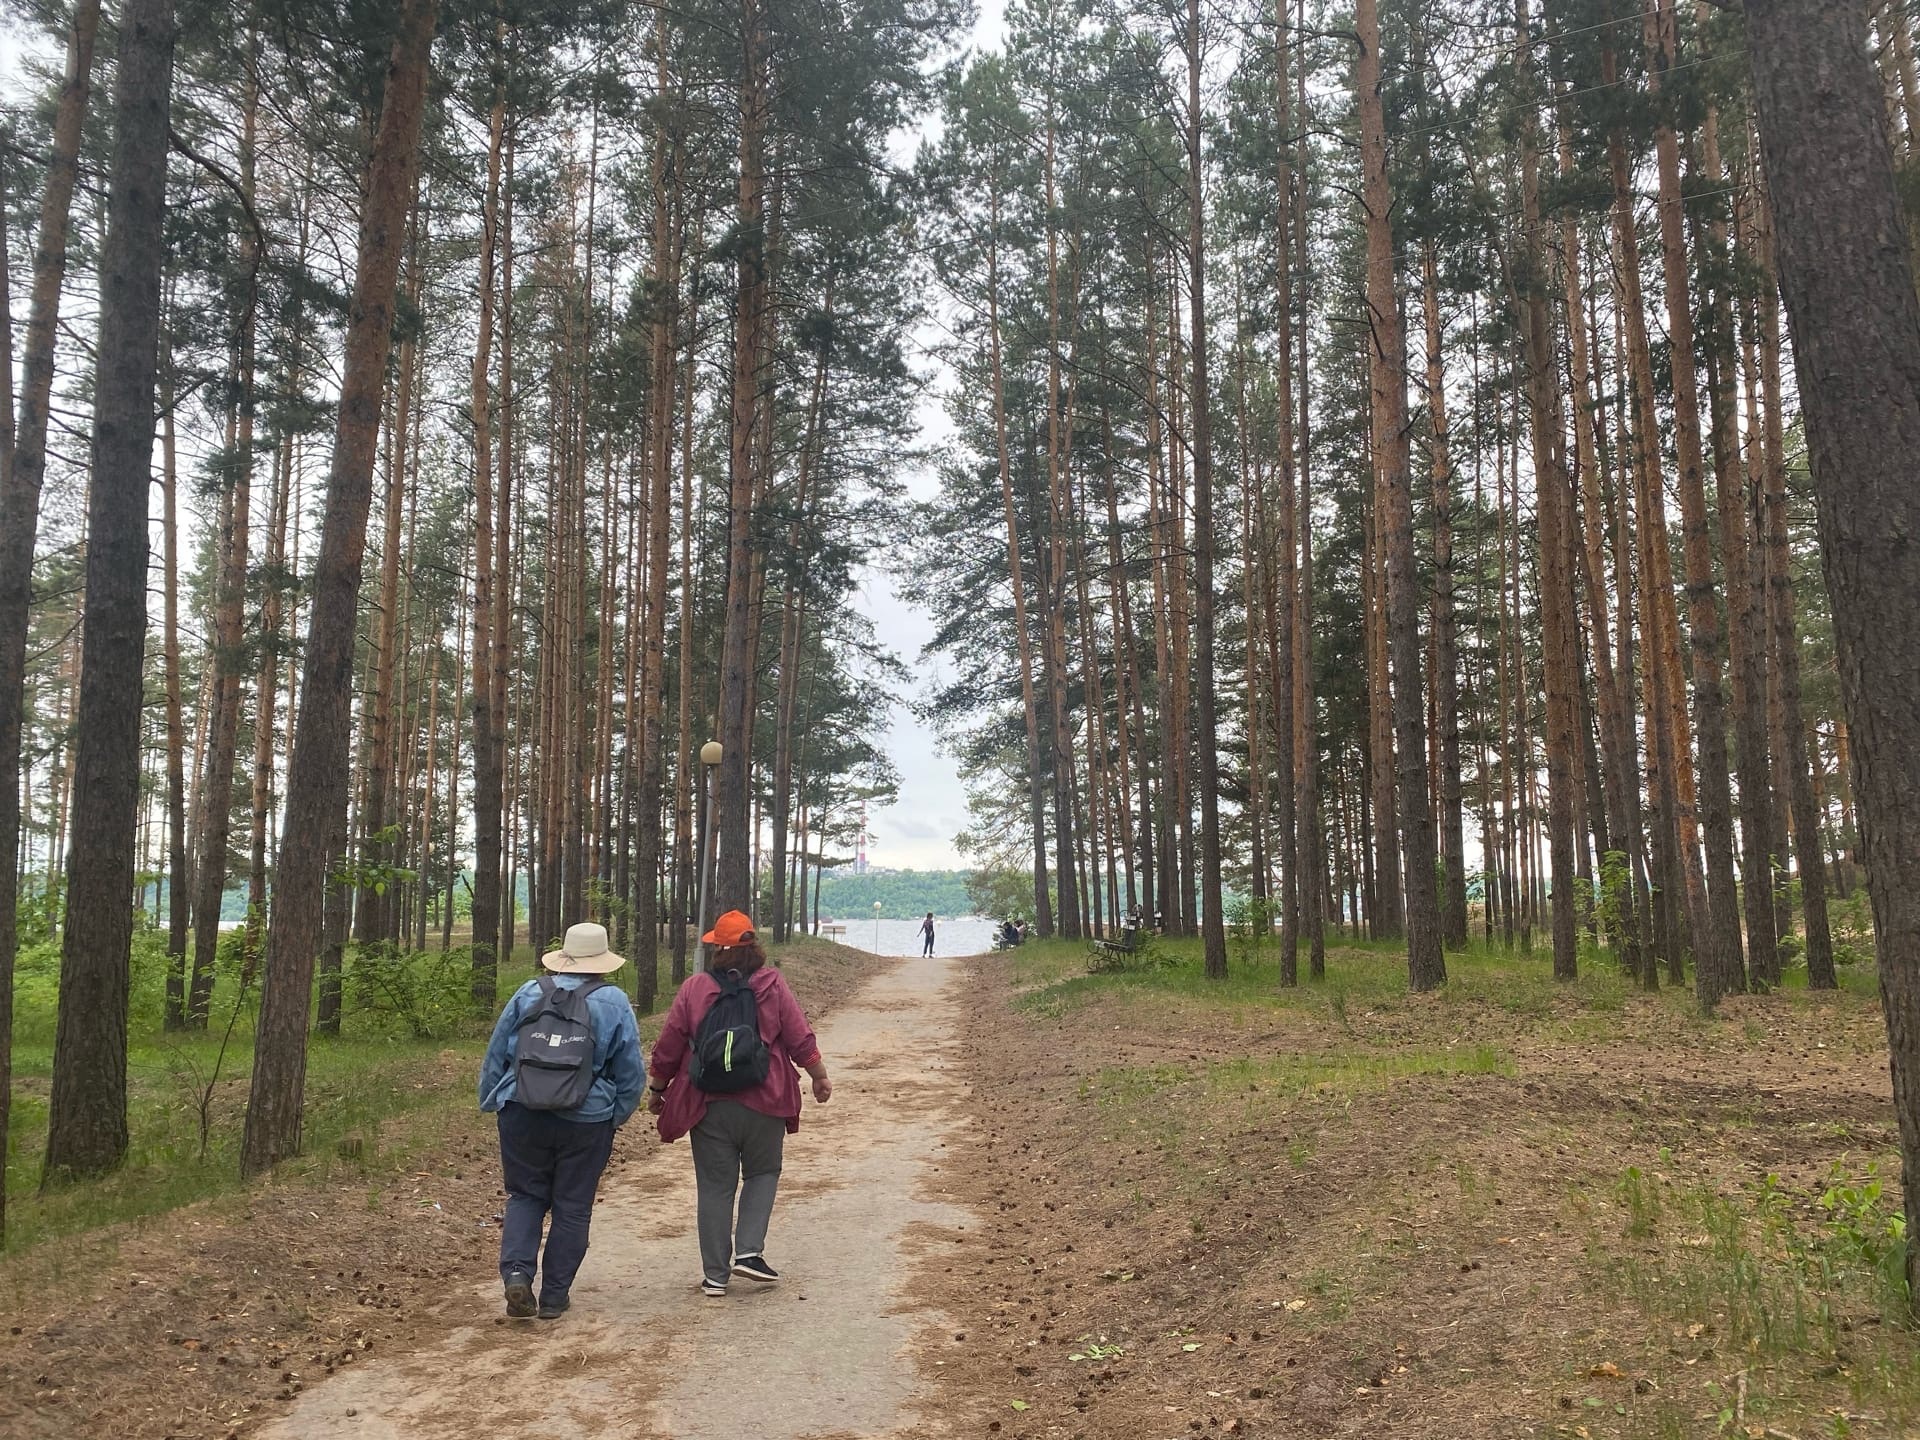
<point x="1808" y="834"/>
<point x="1387" y="369"/>
<point x="733" y="881"/>
<point x="489" y="723"/>
<point x="1212" y="920"/>
<point x="1446" y="683"/>
<point x="1720" y="966"/>
<point x="1559" y="640"/>
<point x="317" y="770"/>
<point x="1849" y="291"/>
<point x="178" y="883"/>
<point x="668" y="240"/>
<point x="87" y="1114"/>
<point x="22" y="471"/>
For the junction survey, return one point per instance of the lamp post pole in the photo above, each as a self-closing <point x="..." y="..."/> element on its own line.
<point x="876" y="927"/>
<point x="710" y="755"/>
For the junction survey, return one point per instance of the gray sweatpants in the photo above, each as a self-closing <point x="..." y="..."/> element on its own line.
<point x="735" y="1148"/>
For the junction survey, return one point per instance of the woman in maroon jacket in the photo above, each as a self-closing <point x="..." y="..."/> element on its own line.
<point x="736" y="1139"/>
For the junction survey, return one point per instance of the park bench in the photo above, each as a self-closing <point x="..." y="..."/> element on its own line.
<point x="1118" y="951"/>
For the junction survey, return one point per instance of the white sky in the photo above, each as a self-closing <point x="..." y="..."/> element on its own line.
<point x="918" y="830"/>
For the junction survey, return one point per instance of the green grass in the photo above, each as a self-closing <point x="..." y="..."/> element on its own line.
<point x="408" y="1044"/>
<point x="1782" y="1279"/>
<point x="355" y="1082"/>
<point x="404" y="1064"/>
<point x="407" y="1057"/>
<point x="1365" y="976"/>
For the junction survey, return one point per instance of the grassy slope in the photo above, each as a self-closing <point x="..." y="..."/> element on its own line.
<point x="1547" y="1208"/>
<point x="377" y="1094"/>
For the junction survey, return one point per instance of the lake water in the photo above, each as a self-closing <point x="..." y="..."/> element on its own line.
<point x="970" y="936"/>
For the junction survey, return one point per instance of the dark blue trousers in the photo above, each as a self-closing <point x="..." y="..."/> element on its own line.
<point x="552" y="1166"/>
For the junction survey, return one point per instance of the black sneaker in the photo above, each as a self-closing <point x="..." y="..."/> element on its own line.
<point x="520" y="1304"/>
<point x="552" y="1307"/>
<point x="713" y="1289"/>
<point x="755" y="1267"/>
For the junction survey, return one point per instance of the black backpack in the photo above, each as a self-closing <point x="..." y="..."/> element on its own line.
<point x="553" y="1048"/>
<point x="728" y="1054"/>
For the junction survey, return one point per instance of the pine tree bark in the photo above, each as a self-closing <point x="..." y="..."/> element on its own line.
<point x="1054" y="578"/>
<point x="1677" y="886"/>
<point x="1282" y="566"/>
<point x="1559" y="642"/>
<point x="87" y="1113"/>
<point x="1808" y="831"/>
<point x="668" y="241"/>
<point x="489" y="723"/>
<point x="793" y="620"/>
<point x="1446" y="682"/>
<point x="22" y="472"/>
<point x="1720" y="968"/>
<point x="317" y="769"/>
<point x="1315" y="879"/>
<point x="1855" y="321"/>
<point x="1746" y="646"/>
<point x="1620" y="770"/>
<point x="733" y="881"/>
<point x="683" y="775"/>
<point x="1387" y="368"/>
<point x="1212" y="920"/>
<point x="178" y="884"/>
<point x="373" y="909"/>
<point x="267" y="677"/>
<point x="213" y="868"/>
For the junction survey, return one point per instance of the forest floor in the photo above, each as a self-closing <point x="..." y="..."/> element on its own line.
<point x="207" y="1319"/>
<point x="1508" y="1208"/>
<point x="1048" y="1205"/>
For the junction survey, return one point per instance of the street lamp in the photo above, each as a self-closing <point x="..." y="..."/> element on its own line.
<point x="876" y="927"/>
<point x="710" y="756"/>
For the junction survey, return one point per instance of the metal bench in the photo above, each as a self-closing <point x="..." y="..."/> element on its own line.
<point x="1117" y="950"/>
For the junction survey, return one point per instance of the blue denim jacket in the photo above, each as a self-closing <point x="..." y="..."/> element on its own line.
<point x="619" y="1074"/>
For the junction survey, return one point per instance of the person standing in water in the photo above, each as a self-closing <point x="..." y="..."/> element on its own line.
<point x="724" y="1075"/>
<point x="926" y="933"/>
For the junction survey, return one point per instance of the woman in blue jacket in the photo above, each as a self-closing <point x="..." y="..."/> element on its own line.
<point x="552" y="1159"/>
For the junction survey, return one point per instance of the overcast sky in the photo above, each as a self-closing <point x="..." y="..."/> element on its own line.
<point x="918" y="830"/>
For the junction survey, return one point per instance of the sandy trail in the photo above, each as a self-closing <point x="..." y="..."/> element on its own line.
<point x="829" y="1352"/>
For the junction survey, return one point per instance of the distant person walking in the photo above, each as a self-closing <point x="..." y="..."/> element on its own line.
<point x="563" y="1071"/>
<point x="725" y="1075"/>
<point x="926" y="931"/>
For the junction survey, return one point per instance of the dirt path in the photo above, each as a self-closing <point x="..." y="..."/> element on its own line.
<point x="830" y="1352"/>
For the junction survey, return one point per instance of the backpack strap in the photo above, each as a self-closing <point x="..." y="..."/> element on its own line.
<point x="550" y="986"/>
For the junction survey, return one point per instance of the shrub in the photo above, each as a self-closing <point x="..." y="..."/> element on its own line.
<point x="422" y="992"/>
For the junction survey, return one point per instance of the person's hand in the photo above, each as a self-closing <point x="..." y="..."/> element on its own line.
<point x="656" y="1102"/>
<point x="822" y="1089"/>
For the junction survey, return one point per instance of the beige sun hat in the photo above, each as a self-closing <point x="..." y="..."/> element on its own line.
<point x="583" y="952"/>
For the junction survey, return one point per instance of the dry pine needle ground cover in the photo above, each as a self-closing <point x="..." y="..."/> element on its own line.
<point x="200" y="1321"/>
<point x="1511" y="1208"/>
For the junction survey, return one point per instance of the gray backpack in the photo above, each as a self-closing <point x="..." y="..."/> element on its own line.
<point x="553" y="1049"/>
